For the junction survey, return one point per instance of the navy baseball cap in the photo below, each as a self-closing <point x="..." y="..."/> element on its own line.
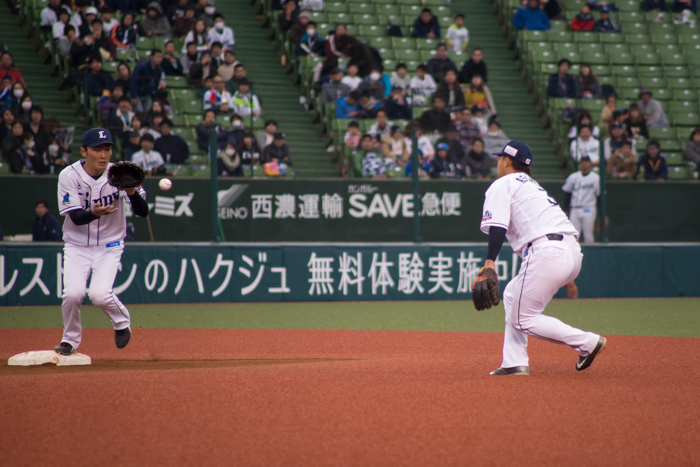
<point x="96" y="137"/>
<point x="605" y="9"/>
<point x="517" y="150"/>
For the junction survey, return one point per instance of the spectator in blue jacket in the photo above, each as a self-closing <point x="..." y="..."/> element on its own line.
<point x="348" y="106"/>
<point x="654" y="5"/>
<point x="531" y="18"/>
<point x="46" y="228"/>
<point x="605" y="24"/>
<point x="680" y="5"/>
<point x="147" y="78"/>
<point x="311" y="43"/>
<point x="562" y="84"/>
<point x="97" y="80"/>
<point x="426" y="26"/>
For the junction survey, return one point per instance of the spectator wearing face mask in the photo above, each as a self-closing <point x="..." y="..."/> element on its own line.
<point x="13" y="100"/>
<point x="369" y="106"/>
<point x="310" y="43"/>
<point x="24" y="109"/>
<point x="373" y="85"/>
<point x="209" y="12"/>
<point x="229" y="163"/>
<point x="172" y="147"/>
<point x="237" y="131"/>
<point x="55" y="158"/>
<point x="221" y="33"/>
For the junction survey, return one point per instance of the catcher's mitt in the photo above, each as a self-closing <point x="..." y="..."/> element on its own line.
<point x="125" y="174"/>
<point x="485" y="292"/>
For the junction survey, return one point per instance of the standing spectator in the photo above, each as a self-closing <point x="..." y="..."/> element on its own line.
<point x="226" y="69"/>
<point x="120" y="120"/>
<point x="108" y="22"/>
<point x="615" y="140"/>
<point x="606" y="113"/>
<point x="184" y="24"/>
<point x="249" y="150"/>
<point x="245" y="103"/>
<point x="171" y="64"/>
<point x="7" y="68"/>
<point x="310" y="43"/>
<point x="652" y="110"/>
<point x="96" y="81"/>
<point x="147" y="158"/>
<point x="146" y="79"/>
<point x="352" y="136"/>
<point x="217" y="98"/>
<point x="623" y="162"/>
<point x="46" y="228"/>
<point x="605" y="24"/>
<point x="478" y="94"/>
<point x="445" y="166"/>
<point x="654" y="5"/>
<point x="457" y="36"/>
<point x="381" y="127"/>
<point x="654" y="164"/>
<point x="172" y="147"/>
<point x="426" y="26"/>
<point x="479" y="161"/>
<point x="435" y="119"/>
<point x="422" y="86"/>
<point x="198" y="35"/>
<point x="334" y="89"/>
<point x="372" y="164"/>
<point x="440" y="63"/>
<point x="221" y="33"/>
<point x="584" y="21"/>
<point x="369" y="106"/>
<point x="268" y="136"/>
<point x="289" y="15"/>
<point x="373" y="85"/>
<point x="587" y="85"/>
<point x="531" y="18"/>
<point x="103" y="41"/>
<point x="394" y="147"/>
<point x="199" y="72"/>
<point x="190" y="58"/>
<point x="494" y="140"/>
<point x="337" y="46"/>
<point x="585" y="145"/>
<point x="400" y="77"/>
<point x="298" y="29"/>
<point x="692" y="148"/>
<point x="449" y="87"/>
<point x="49" y="15"/>
<point x="277" y="151"/>
<point x="396" y="106"/>
<point x="468" y="130"/>
<point x="351" y="79"/>
<point x="125" y="33"/>
<point x="348" y="106"/>
<point x="562" y="84"/>
<point x="636" y="125"/>
<point x="474" y="66"/>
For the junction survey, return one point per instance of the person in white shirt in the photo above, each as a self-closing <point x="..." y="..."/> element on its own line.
<point x="58" y="28"/>
<point x="457" y="36"/>
<point x="582" y="189"/>
<point x="422" y="86"/>
<point x="400" y="78"/>
<point x="146" y="157"/>
<point x="424" y="143"/>
<point x="351" y="79"/>
<point x="108" y="22"/>
<point x="220" y="33"/>
<point x="517" y="208"/>
<point x="49" y="14"/>
<point x="585" y="145"/>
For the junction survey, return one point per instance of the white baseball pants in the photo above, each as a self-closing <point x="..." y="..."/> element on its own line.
<point x="547" y="266"/>
<point x="584" y="221"/>
<point x="79" y="263"/>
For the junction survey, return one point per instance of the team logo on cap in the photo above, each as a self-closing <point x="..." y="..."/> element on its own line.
<point x="511" y="151"/>
<point x="102" y="134"/>
<point x="527" y="161"/>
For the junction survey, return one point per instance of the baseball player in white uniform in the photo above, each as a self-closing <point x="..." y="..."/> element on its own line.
<point x="93" y="232"/>
<point x="518" y="209"/>
<point x="582" y="190"/>
<point x="585" y="145"/>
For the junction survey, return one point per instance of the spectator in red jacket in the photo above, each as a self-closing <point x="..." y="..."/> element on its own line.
<point x="7" y="68"/>
<point x="584" y="21"/>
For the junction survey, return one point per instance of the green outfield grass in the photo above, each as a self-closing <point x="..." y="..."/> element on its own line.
<point x="646" y="317"/>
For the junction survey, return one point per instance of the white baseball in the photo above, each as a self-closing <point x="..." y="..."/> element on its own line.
<point x="165" y="184"/>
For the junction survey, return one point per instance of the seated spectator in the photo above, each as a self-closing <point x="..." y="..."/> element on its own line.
<point x="237" y="131"/>
<point x="103" y="42"/>
<point x="310" y="43"/>
<point x="422" y="86"/>
<point x="435" y="119"/>
<point x="85" y="27"/>
<point x="190" y="58"/>
<point x="298" y="29"/>
<point x="440" y="63"/>
<point x="155" y="23"/>
<point x="49" y="15"/>
<point x="584" y="21"/>
<point x="424" y="167"/>
<point x="349" y="106"/>
<point x="217" y="53"/>
<point x="268" y="136"/>
<point x="125" y="33"/>
<point x="531" y="18"/>
<point x="249" y="150"/>
<point x="653" y="162"/>
<point x="245" y="103"/>
<point x="198" y="35"/>
<point x="606" y="113"/>
<point x="239" y="73"/>
<point x="313" y="5"/>
<point x="396" y="106"/>
<point x="96" y="80"/>
<point x="207" y="85"/>
<point x="583" y="119"/>
<point x="12" y="141"/>
<point x="157" y="110"/>
<point x="494" y="140"/>
<point x="351" y="79"/>
<point x="479" y="161"/>
<point x="120" y="120"/>
<point x="562" y="84"/>
<point x="131" y="144"/>
<point x="394" y="147"/>
<point x="171" y="64"/>
<point x="681" y="5"/>
<point x="586" y="145"/>
<point x="381" y="126"/>
<point x="426" y="26"/>
<point x="8" y="119"/>
<point x="457" y="36"/>
<point x="35" y="126"/>
<point x="652" y="110"/>
<point x="218" y="99"/>
<point x="587" y="85"/>
<point x="55" y="158"/>
<point x="140" y="127"/>
<point x="123" y="77"/>
<point x="226" y="69"/>
<point x="334" y="89"/>
<point x="622" y="163"/>
<point x="22" y="155"/>
<point x="147" y="158"/>
<point x="424" y="143"/>
<point x="368" y="105"/>
<point x="449" y="87"/>
<point x="480" y="119"/>
<point x="5" y="92"/>
<point x="692" y="148"/>
<point x="172" y="147"/>
<point x="23" y="111"/>
<point x="372" y="164"/>
<point x="636" y="124"/>
<point x="373" y="85"/>
<point x="229" y="163"/>
<point x="7" y="68"/>
<point x="277" y="151"/>
<point x="605" y="24"/>
<point x="553" y="10"/>
<point x="615" y="140"/>
<point x="58" y="29"/>
<point x="207" y="16"/>
<point x="400" y="77"/>
<point x="147" y="78"/>
<point x="183" y="24"/>
<point x="451" y="138"/>
<point x="45" y="228"/>
<point x="654" y="5"/>
<point x="467" y="129"/>
<point x="221" y="33"/>
<point x="107" y="21"/>
<point x="67" y="40"/>
<point x="177" y="9"/>
<point x="474" y="66"/>
<point x="353" y="135"/>
<point x="203" y="129"/>
<point x="478" y="94"/>
<point x="288" y="16"/>
<point x="445" y="166"/>
<point x="81" y="53"/>
<point x="200" y="71"/>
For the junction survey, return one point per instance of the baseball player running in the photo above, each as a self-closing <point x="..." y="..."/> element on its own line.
<point x="93" y="232"/>
<point x="582" y="190"/>
<point x="518" y="209"/>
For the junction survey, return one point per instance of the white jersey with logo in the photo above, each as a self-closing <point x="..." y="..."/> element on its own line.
<point x="584" y="189"/>
<point x="518" y="204"/>
<point x="78" y="190"/>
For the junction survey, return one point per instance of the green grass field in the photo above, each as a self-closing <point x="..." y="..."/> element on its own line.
<point x="646" y="317"/>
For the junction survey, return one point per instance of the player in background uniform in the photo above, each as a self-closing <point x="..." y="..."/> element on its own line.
<point x="585" y="145"/>
<point x="93" y="232"/>
<point x="582" y="190"/>
<point x="518" y="209"/>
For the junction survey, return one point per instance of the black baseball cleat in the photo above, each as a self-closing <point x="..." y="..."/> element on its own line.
<point x="122" y="337"/>
<point x="585" y="362"/>
<point x="64" y="348"/>
<point x="512" y="371"/>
